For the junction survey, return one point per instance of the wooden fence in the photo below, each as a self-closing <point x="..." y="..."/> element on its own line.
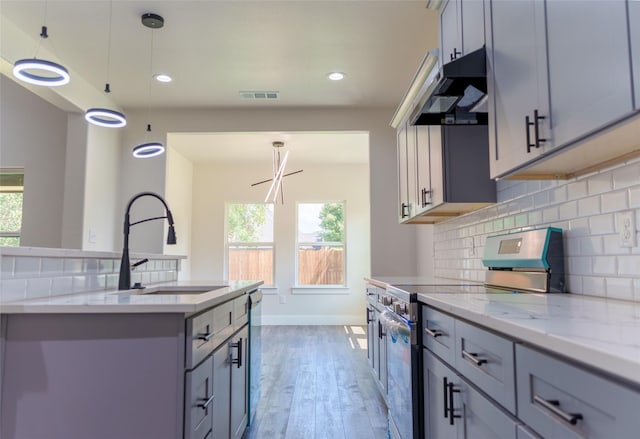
<point x="321" y="266"/>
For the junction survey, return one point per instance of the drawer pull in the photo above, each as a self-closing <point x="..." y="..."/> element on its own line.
<point x="473" y="358"/>
<point x="206" y="403"/>
<point x="553" y="406"/>
<point x="435" y="333"/>
<point x="206" y="336"/>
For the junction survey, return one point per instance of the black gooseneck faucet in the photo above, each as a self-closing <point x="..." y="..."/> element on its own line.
<point x="124" y="282"/>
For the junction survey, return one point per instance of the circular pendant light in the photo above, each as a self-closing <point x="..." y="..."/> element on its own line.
<point x="148" y="150"/>
<point x="41" y="72"/>
<point x="105" y="118"/>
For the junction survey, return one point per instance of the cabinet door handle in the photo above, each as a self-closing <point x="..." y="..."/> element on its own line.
<point x="238" y="360"/>
<point x="381" y="333"/>
<point x="553" y="406"/>
<point x="452" y="416"/>
<point x="455" y="54"/>
<point x="369" y="319"/>
<point x="206" y="403"/>
<point x="404" y="210"/>
<point x="473" y="358"/>
<point x="536" y="128"/>
<point x="527" y="127"/>
<point x="424" y="194"/>
<point x="435" y="333"/>
<point x="445" y="388"/>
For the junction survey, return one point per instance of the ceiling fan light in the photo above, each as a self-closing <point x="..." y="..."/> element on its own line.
<point x="148" y="150"/>
<point x="31" y="71"/>
<point x="105" y="118"/>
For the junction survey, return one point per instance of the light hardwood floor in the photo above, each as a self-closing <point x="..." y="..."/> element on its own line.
<point x="316" y="384"/>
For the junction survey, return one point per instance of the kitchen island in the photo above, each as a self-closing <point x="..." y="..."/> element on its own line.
<point x="128" y="365"/>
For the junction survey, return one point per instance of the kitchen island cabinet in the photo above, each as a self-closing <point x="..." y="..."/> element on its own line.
<point x="78" y="372"/>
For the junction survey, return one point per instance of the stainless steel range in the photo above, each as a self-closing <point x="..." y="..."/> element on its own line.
<point x="401" y="326"/>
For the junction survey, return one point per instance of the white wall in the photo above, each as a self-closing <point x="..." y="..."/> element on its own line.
<point x="33" y="135"/>
<point x="102" y="221"/>
<point x="393" y="246"/>
<point x="179" y="196"/>
<point x="214" y="185"/>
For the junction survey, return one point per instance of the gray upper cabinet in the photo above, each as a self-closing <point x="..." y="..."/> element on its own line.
<point x="461" y="28"/>
<point x="403" y="181"/>
<point x="634" y="23"/>
<point x="561" y="96"/>
<point x="516" y="53"/>
<point x="589" y="79"/>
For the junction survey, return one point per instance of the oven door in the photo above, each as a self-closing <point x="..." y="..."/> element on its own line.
<point x="399" y="396"/>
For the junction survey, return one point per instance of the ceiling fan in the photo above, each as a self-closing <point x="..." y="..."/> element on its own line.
<point x="279" y="165"/>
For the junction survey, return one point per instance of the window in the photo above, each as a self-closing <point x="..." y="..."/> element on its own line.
<point x="11" y="189"/>
<point x="250" y="242"/>
<point x="321" y="250"/>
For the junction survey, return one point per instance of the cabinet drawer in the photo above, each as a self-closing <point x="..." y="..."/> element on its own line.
<point x="524" y="433"/>
<point x="487" y="360"/>
<point x="198" y="408"/>
<point x="560" y="400"/>
<point x="438" y="333"/>
<point x="240" y="311"/>
<point x="206" y="331"/>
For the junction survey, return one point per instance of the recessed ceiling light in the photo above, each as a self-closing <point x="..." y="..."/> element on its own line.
<point x="162" y="77"/>
<point x="335" y="76"/>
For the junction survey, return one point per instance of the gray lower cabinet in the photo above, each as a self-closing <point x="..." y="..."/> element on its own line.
<point x="199" y="397"/>
<point x="455" y="409"/>
<point x="496" y="387"/>
<point x="230" y="386"/>
<point x="559" y="400"/>
<point x="376" y="340"/>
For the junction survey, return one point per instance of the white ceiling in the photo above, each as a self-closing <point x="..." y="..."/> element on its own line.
<point x="216" y="48"/>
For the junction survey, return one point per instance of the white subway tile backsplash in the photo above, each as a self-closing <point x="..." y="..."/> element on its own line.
<point x="568" y="210"/>
<point x="604" y="265"/>
<point x="550" y="215"/>
<point x="614" y="201"/>
<point x="52" y="265"/>
<point x="558" y="195"/>
<point x="580" y="265"/>
<point x="73" y="265"/>
<point x="6" y="267"/>
<point x="541" y="199"/>
<point x="576" y="190"/>
<point x="61" y="285"/>
<point x="589" y="206"/>
<point x="599" y="183"/>
<point x="535" y="217"/>
<point x="620" y="288"/>
<point x="626" y="176"/>
<point x="38" y="287"/>
<point x="601" y="224"/>
<point x="26" y="266"/>
<point x="634" y="197"/>
<point x="591" y="245"/>
<point x="12" y="290"/>
<point x="629" y="265"/>
<point x="593" y="286"/>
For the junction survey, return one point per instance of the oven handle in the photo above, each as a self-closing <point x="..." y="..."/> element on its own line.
<point x="398" y="327"/>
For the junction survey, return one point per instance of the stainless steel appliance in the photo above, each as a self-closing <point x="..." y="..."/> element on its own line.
<point x="255" y="351"/>
<point x="401" y="326"/>
<point x="532" y="260"/>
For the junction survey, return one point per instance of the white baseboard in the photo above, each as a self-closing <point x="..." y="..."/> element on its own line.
<point x="314" y="320"/>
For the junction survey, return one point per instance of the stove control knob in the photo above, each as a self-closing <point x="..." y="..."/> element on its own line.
<point x="387" y="301"/>
<point x="400" y="308"/>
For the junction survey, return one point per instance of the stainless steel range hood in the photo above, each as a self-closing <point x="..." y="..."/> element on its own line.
<point x="454" y="94"/>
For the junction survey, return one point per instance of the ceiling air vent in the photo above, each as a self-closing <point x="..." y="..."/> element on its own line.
<point x="262" y="95"/>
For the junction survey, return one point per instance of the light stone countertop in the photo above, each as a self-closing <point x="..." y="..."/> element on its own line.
<point x="601" y="333"/>
<point x="136" y="301"/>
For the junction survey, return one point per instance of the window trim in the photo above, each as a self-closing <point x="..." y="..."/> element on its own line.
<point x="13" y="189"/>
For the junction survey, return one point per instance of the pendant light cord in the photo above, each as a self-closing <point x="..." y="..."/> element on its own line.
<point x="149" y="88"/>
<point x="107" y="87"/>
